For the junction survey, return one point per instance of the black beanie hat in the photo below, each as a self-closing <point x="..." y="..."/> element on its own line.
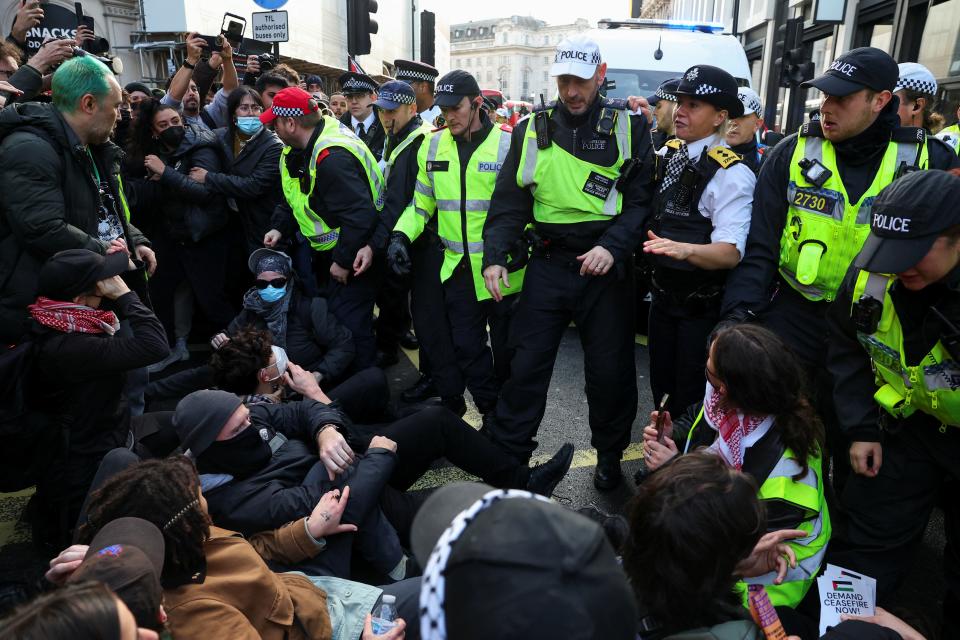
<point x="201" y="415"/>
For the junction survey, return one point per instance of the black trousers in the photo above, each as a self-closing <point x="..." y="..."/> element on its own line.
<point x="393" y="301"/>
<point x="428" y="305"/>
<point x="352" y="304"/>
<point x="553" y="293"/>
<point x="887" y="515"/>
<point x="484" y="367"/>
<point x="436" y="432"/>
<point x="677" y="340"/>
<point x="204" y="266"/>
<point x="364" y="396"/>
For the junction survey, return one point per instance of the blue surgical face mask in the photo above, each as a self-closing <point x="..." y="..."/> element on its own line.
<point x="272" y="293"/>
<point x="249" y="124"/>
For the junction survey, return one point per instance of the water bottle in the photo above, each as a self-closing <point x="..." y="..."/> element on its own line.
<point x="384" y="615"/>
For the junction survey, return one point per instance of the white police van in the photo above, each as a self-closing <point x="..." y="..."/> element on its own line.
<point x="640" y="54"/>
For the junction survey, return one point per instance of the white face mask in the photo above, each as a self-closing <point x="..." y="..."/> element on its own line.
<point x="275" y="371"/>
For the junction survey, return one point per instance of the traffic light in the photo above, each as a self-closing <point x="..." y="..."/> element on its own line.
<point x="360" y="25"/>
<point x="428" y="36"/>
<point x="794" y="69"/>
<point x="798" y="70"/>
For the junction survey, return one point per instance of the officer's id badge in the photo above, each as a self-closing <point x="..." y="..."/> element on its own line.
<point x="598" y="186"/>
<point x="817" y="202"/>
<point x="489" y="167"/>
<point x="438" y="165"/>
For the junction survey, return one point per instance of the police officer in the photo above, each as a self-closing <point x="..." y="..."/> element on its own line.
<point x="421" y="76"/>
<point x="951" y="135"/>
<point x="895" y="342"/>
<point x="361" y="92"/>
<point x="397" y="110"/>
<point x="458" y="168"/>
<point x="743" y="135"/>
<point x="334" y="191"/>
<point x="697" y="234"/>
<point x="812" y="203"/>
<point x="579" y="171"/>
<point x="663" y="104"/>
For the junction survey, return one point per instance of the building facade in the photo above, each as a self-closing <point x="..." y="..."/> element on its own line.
<point x="909" y="30"/>
<point x="511" y="54"/>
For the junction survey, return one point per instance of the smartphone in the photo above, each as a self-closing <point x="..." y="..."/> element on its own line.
<point x="78" y="7"/>
<point x="661" y="416"/>
<point x="233" y="28"/>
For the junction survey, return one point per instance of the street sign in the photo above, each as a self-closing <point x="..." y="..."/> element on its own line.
<point x="271" y="4"/>
<point x="270" y="26"/>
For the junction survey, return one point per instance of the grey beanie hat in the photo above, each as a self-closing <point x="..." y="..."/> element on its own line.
<point x="200" y="416"/>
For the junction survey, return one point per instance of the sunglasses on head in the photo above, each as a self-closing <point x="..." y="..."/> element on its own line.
<point x="277" y="283"/>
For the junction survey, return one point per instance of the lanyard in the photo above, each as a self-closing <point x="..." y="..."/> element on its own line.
<point x="96" y="172"/>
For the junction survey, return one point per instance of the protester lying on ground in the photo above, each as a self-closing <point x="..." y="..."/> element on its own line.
<point x="515" y="565"/>
<point x="756" y="417"/>
<point x="696" y="528"/>
<point x="80" y="611"/>
<point x="218" y="585"/>
<point x="79" y="371"/>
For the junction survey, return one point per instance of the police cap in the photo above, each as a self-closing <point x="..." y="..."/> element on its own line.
<point x="861" y="68"/>
<point x="413" y="71"/>
<point x="453" y="87"/>
<point x="353" y="83"/>
<point x="712" y="85"/>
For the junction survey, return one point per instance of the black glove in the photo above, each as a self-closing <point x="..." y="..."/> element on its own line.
<point x="398" y="254"/>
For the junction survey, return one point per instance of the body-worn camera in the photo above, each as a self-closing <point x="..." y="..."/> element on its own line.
<point x="814" y="172"/>
<point x="866" y="314"/>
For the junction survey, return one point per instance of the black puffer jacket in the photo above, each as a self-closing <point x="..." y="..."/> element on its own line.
<point x="187" y="210"/>
<point x="51" y="203"/>
<point x="250" y="181"/>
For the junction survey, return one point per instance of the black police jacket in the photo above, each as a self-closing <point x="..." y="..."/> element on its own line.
<point x="853" y="380"/>
<point x="751" y="282"/>
<point x="511" y="208"/>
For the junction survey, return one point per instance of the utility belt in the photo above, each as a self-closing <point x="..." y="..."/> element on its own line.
<point x="547" y="247"/>
<point x="685" y="291"/>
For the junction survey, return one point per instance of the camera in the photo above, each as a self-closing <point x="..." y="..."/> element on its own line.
<point x="267" y="61"/>
<point x="814" y="172"/>
<point x="114" y="64"/>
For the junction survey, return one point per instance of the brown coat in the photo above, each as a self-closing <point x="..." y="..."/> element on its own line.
<point x="242" y="598"/>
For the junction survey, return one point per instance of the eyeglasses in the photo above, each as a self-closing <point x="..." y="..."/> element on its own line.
<point x="276" y="283"/>
<point x="249" y="108"/>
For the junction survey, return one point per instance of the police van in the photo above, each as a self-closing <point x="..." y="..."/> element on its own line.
<point x="640" y="54"/>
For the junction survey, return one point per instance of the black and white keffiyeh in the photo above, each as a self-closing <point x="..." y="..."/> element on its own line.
<point x="433" y="625"/>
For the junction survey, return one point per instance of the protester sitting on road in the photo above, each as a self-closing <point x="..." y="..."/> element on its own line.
<point x="696" y="527"/>
<point x="756" y="417"/>
<point x="250" y="179"/>
<point x="512" y="565"/>
<point x="79" y="370"/>
<point x="81" y="611"/>
<point x="217" y="583"/>
<point x="187" y="222"/>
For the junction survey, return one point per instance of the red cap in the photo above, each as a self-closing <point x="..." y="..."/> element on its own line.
<point x="290" y="102"/>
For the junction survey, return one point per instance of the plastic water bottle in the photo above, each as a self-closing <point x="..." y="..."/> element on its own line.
<point x="384" y="615"/>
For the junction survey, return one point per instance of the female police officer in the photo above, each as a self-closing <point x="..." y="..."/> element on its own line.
<point x="895" y="342"/>
<point x="698" y="231"/>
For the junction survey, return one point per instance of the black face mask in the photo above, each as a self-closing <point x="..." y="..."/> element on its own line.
<point x="241" y="456"/>
<point x="171" y="137"/>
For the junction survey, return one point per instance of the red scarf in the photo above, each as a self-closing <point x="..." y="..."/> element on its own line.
<point x="70" y="317"/>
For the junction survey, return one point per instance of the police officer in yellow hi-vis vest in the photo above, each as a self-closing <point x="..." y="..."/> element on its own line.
<point x="334" y="192"/>
<point x="951" y="134"/>
<point x="812" y="206"/>
<point x="895" y="359"/>
<point x="458" y="169"/>
<point x="579" y="171"/>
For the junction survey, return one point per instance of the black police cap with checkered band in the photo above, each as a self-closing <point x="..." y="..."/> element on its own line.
<point x="712" y="85"/>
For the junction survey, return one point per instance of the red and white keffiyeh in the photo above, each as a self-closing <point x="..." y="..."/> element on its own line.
<point x="70" y="317"/>
<point x="737" y="431"/>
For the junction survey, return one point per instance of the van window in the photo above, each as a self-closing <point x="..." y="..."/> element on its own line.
<point x="631" y="82"/>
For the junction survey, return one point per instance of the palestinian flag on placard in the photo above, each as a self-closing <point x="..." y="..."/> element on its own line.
<point x="842" y="585"/>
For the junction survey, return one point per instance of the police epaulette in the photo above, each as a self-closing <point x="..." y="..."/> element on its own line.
<point x="545" y="107"/>
<point x="674" y="143"/>
<point x="811" y="130"/>
<point x="724" y="156"/>
<point x="615" y="103"/>
<point x="916" y="135"/>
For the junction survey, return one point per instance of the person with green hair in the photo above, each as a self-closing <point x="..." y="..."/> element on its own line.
<point x="68" y="192"/>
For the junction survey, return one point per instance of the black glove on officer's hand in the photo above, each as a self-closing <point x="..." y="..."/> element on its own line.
<point x="398" y="254"/>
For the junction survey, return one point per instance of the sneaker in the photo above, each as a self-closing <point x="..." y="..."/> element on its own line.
<point x="545" y="477"/>
<point x="179" y="353"/>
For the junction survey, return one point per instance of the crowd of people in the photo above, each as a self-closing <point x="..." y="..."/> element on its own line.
<point x="803" y="340"/>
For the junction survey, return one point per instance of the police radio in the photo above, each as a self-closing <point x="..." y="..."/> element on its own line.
<point x="866" y="314"/>
<point x="814" y="172"/>
<point x="904" y="169"/>
<point x="541" y="123"/>
<point x="949" y="339"/>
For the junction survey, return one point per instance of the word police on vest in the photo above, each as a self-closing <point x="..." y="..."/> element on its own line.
<point x="577" y="56"/>
<point x="861" y="68"/>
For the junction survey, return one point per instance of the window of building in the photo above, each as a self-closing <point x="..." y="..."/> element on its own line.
<point x="546" y="40"/>
<point x="489" y="75"/>
<point x="940" y="44"/>
<point x="469" y="32"/>
<point x="504" y="60"/>
<point x="483" y="31"/>
<point x="457" y="33"/>
<point x="821" y="58"/>
<point x="545" y="76"/>
<point x="546" y="59"/>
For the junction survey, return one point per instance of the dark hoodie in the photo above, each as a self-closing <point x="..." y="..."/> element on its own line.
<point x="51" y="202"/>
<point x="188" y="210"/>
